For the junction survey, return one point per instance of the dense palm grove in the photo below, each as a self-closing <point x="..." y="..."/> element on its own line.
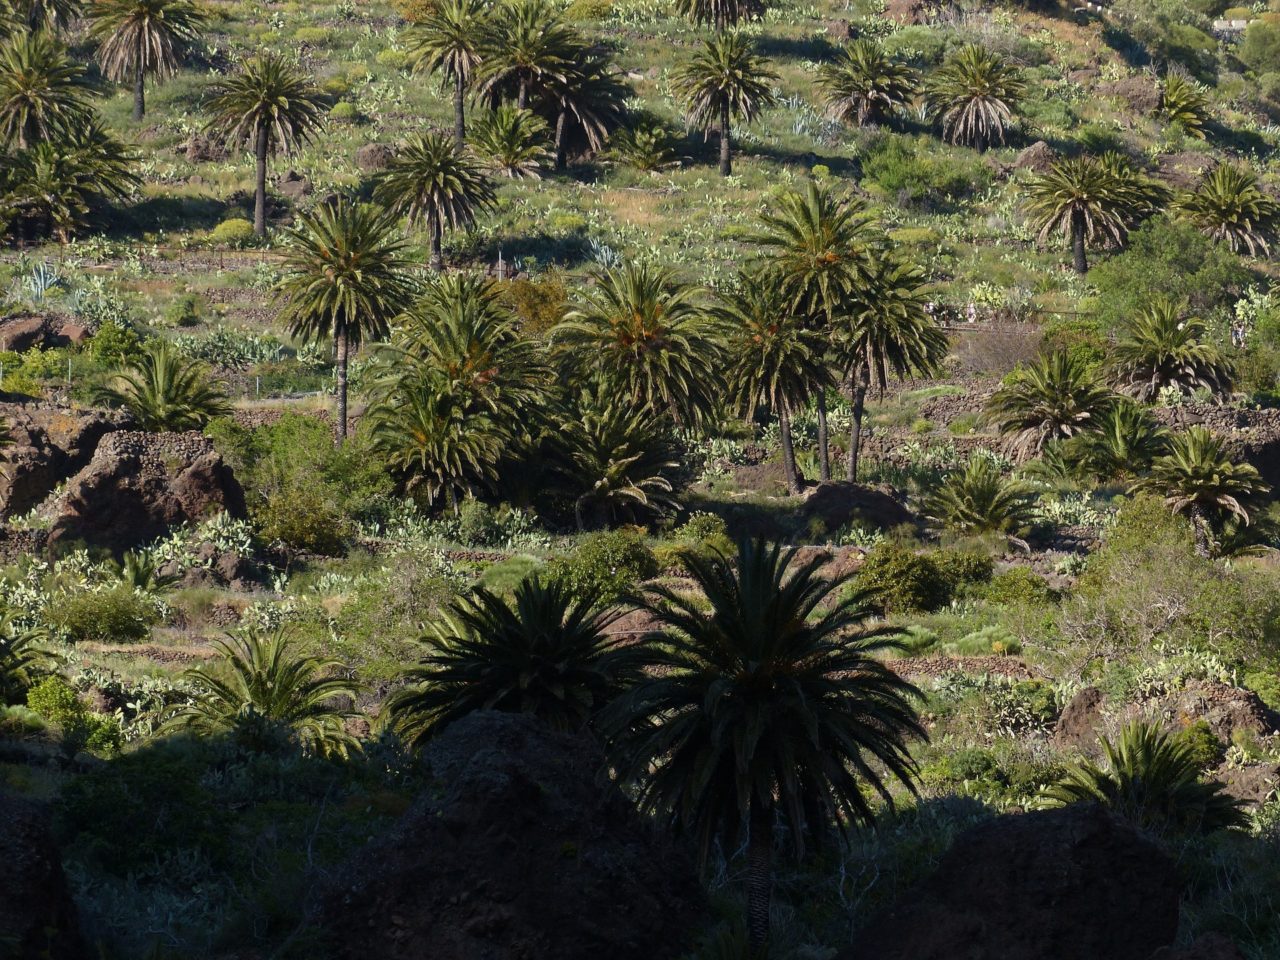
<point x="811" y="405"/>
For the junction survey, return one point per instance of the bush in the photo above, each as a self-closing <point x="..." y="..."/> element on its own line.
<point x="187" y="311"/>
<point x="344" y="111"/>
<point x="234" y="233"/>
<point x="911" y="175"/>
<point x="1260" y="49"/>
<point x="114" y="615"/>
<point x="962" y="568"/>
<point x="395" y="59"/>
<point x="1266" y="684"/>
<point x="478" y="524"/>
<point x="610" y="563"/>
<point x="315" y="36"/>
<point x="589" y="10"/>
<point x="901" y="580"/>
<point x="53" y="700"/>
<point x="1014" y="586"/>
<point x="303" y="514"/>
<point x="1198" y="738"/>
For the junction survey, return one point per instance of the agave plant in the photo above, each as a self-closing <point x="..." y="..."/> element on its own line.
<point x="1160" y="349"/>
<point x="863" y="84"/>
<point x="165" y="391"/>
<point x="1055" y="398"/>
<point x="1182" y="101"/>
<point x="512" y="142"/>
<point x="981" y="499"/>
<point x="1230" y="207"/>
<point x="141" y="571"/>
<point x="973" y="96"/>
<point x="1151" y="780"/>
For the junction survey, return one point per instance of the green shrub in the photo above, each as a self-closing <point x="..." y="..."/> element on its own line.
<point x="186" y="311"/>
<point x="539" y="303"/>
<point x="1013" y="586"/>
<point x="902" y="580"/>
<point x="315" y="36"/>
<point x="909" y="173"/>
<point x="395" y="59"/>
<point x="114" y="615"/>
<point x="336" y="86"/>
<point x="54" y="701"/>
<point x="478" y="524"/>
<point x="610" y="563"/>
<point x="344" y="111"/>
<point x="305" y="515"/>
<point x="1266" y="684"/>
<point x="1260" y="49"/>
<point x="963" y="568"/>
<point x="1198" y="737"/>
<point x="235" y="233"/>
<point x="992" y="639"/>
<point x="589" y="10"/>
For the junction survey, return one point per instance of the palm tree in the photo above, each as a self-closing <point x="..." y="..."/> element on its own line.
<point x="725" y="80"/>
<point x="512" y="142"/>
<point x="974" y="95"/>
<point x="863" y="84"/>
<point x="141" y="37"/>
<point x="720" y="14"/>
<point x="1198" y="478"/>
<point x="1123" y="442"/>
<point x="764" y="701"/>
<point x="1183" y="102"/>
<point x="430" y="181"/>
<point x="449" y="42"/>
<point x="270" y="106"/>
<point x="639" y="327"/>
<point x="1055" y="398"/>
<point x="22" y="658"/>
<point x="588" y="102"/>
<point x="264" y="693"/>
<point x="345" y="278"/>
<point x="165" y="391"/>
<point x="817" y="248"/>
<point x="1152" y="780"/>
<point x="545" y="652"/>
<point x="1230" y="207"/>
<point x="50" y="16"/>
<point x="980" y="499"/>
<point x="527" y="48"/>
<point x="775" y="360"/>
<point x="1159" y="348"/>
<point x="42" y="91"/>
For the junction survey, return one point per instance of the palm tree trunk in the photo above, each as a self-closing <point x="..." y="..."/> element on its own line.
<point x="139" y="88"/>
<point x="344" y="347"/>
<point x="861" y="382"/>
<point x="1078" y="258"/>
<point x="788" y="451"/>
<point x="759" y="878"/>
<point x="824" y="445"/>
<point x="436" y="230"/>
<point x="1200" y="523"/>
<point x="562" y="121"/>
<point x="522" y="95"/>
<point x="260" y="187"/>
<point x="459" y="113"/>
<point x="726" y="162"/>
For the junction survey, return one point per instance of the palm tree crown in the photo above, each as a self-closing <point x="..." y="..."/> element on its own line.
<point x="449" y="42"/>
<point x="1230" y="207"/>
<point x="980" y="499"/>
<point x="1053" y="399"/>
<point x="863" y="84"/>
<point x="141" y="37"/>
<point x="527" y="48"/>
<point x="973" y="95"/>
<point x="166" y="391"/>
<point x="512" y="142"/>
<point x="42" y="92"/>
<point x="1159" y="348"/>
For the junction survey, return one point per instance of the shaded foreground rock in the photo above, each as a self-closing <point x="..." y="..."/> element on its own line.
<point x="37" y="917"/>
<point x="1069" y="884"/>
<point x="521" y="853"/>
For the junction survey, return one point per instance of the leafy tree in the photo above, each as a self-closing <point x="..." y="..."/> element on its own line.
<point x="1152" y="780"/>
<point x="345" y="278"/>
<point x="527" y="49"/>
<point x="1160" y="348"/>
<point x="1230" y="207"/>
<point x="766" y="701"/>
<point x="1055" y="398"/>
<point x="864" y="84"/>
<point x="723" y="81"/>
<point x="720" y="14"/>
<point x="1183" y="102"/>
<point x="639" y="328"/>
<point x="1198" y="478"/>
<point x="141" y="37"/>
<point x="512" y="142"/>
<point x="42" y="91"/>
<point x="166" y="391"/>
<point x="544" y="652"/>
<point x="430" y="181"/>
<point x="270" y="106"/>
<point x="980" y="499"/>
<point x="449" y="43"/>
<point x="264" y="694"/>
<point x="974" y="96"/>
<point x="1123" y="442"/>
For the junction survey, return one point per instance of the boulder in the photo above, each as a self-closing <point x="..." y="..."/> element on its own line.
<point x="26" y="331"/>
<point x="522" y="851"/>
<point x="201" y="149"/>
<point x="838" y="504"/>
<point x="1224" y="708"/>
<point x="139" y="485"/>
<point x="373" y="157"/>
<point x="1066" y="884"/>
<point x="294" y="186"/>
<point x="1038" y="157"/>
<point x="1141" y="93"/>
<point x="1252" y="785"/>
<point x="1080" y="722"/>
<point x="905" y="11"/>
<point x="37" y="917"/>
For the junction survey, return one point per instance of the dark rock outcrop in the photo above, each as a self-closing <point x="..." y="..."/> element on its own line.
<point x="373" y="157"/>
<point x="37" y="917"/>
<point x="1252" y="435"/>
<point x="1038" y="157"/>
<point x="1223" y="707"/>
<point x="1141" y="93"/>
<point x="25" y="331"/>
<point x="1080" y="721"/>
<point x="522" y="852"/>
<point x="294" y="185"/>
<point x="1068" y="884"/>
<point x="838" y="504"/>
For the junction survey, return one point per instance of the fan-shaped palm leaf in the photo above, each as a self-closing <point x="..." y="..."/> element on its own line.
<point x="1055" y="398"/>
<point x="863" y="84"/>
<point x="973" y="96"/>
<point x="166" y="391"/>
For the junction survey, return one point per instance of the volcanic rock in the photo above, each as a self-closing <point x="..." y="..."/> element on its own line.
<point x="373" y="157"/>
<point x="1038" y="157"/>
<point x="838" y="504"/>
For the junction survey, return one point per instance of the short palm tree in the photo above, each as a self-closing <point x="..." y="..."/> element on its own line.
<point x="776" y="361"/>
<point x="1123" y="442"/>
<point x="430" y="181"/>
<point x="545" y="651"/>
<point x="764" y="702"/>
<point x="720" y="14"/>
<point x="1160" y="348"/>
<point x="448" y="42"/>
<point x="138" y="38"/>
<point x="640" y="328"/>
<point x="1182" y="101"/>
<point x="42" y="91"/>
<point x="272" y="107"/>
<point x="724" y="81"/>
<point x="981" y="499"/>
<point x="1230" y="207"/>
<point x="512" y="142"/>
<point x="1055" y="398"/>
<point x="23" y="659"/>
<point x="166" y="391"/>
<point x="262" y="693"/>
<point x="345" y="278"/>
<point x="527" y="48"/>
<point x="1199" y="479"/>
<point x="1151" y="780"/>
<point x="973" y="96"/>
<point x="864" y="84"/>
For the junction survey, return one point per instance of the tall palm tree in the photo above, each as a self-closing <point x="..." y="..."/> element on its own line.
<point x="266" y="693"/>
<point x="816" y="245"/>
<point x="270" y="106"/>
<point x="545" y="652"/>
<point x="1160" y="348"/>
<point x="345" y="278"/>
<point x="527" y="48"/>
<point x="449" y="42"/>
<point x="1198" y="478"/>
<point x="776" y="360"/>
<point x="864" y="84"/>
<point x="512" y="142"/>
<point x="973" y="96"/>
<point x="1230" y="207"/>
<point x="890" y="332"/>
<point x="724" y="81"/>
<point x="588" y="102"/>
<point x="166" y="391"/>
<point x="720" y="14"/>
<point x="1123" y="442"/>
<point x="431" y="181"/>
<point x="1055" y="398"/>
<point x="42" y="91"/>
<point x="141" y="37"/>
<point x="50" y="16"/>
<point x="766" y="702"/>
<point x="639" y="327"/>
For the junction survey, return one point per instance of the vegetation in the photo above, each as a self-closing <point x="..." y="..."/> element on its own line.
<point x="164" y="390"/>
